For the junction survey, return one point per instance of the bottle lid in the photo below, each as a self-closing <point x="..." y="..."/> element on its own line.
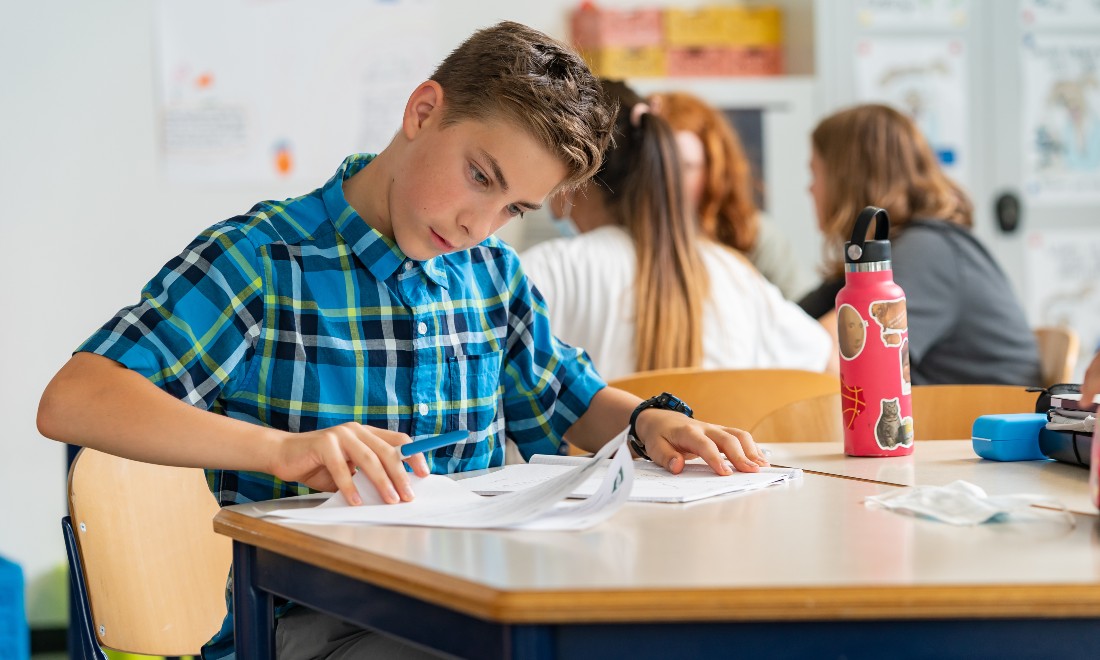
<point x="862" y="251"/>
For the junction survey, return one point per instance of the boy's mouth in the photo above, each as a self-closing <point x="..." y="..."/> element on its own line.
<point x="441" y="242"/>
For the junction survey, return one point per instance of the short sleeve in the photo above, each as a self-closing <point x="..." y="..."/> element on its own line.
<point x="547" y="384"/>
<point x="197" y="322"/>
<point x="926" y="268"/>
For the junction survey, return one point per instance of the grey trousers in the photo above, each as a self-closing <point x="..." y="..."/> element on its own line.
<point x="305" y="634"/>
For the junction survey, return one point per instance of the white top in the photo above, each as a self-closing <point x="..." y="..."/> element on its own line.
<point x="588" y="283"/>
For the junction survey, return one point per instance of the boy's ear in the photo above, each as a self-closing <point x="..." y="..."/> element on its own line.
<point x="425" y="105"/>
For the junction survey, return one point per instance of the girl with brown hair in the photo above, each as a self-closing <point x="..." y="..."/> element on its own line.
<point x="637" y="288"/>
<point x="719" y="184"/>
<point x="965" y="323"/>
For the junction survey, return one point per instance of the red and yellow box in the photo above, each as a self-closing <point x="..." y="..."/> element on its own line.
<point x="593" y="27"/>
<point x="755" y="26"/>
<point x="622" y="62"/>
<point x="707" y="26"/>
<point x="756" y="61"/>
<point x="691" y="61"/>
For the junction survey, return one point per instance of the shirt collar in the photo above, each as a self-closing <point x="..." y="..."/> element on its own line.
<point x="380" y="254"/>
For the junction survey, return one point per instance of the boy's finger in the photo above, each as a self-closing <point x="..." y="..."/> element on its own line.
<point x="419" y="464"/>
<point x="393" y="438"/>
<point x="664" y="454"/>
<point x="365" y="456"/>
<point x="753" y="451"/>
<point x="393" y="465"/>
<point x="732" y="443"/>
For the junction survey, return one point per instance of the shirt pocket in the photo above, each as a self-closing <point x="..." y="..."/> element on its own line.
<point x="473" y="390"/>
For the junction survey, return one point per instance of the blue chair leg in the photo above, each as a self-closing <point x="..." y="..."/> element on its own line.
<point x="86" y="646"/>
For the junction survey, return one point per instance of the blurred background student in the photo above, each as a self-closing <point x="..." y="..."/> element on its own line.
<point x="719" y="184"/>
<point x="965" y="322"/>
<point x="642" y="288"/>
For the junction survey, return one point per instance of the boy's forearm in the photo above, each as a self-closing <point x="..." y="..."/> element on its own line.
<point x="607" y="415"/>
<point x="96" y="402"/>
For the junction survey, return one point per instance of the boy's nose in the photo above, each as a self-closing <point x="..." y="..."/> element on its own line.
<point x="476" y="223"/>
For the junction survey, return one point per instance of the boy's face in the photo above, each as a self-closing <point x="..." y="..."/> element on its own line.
<point x="455" y="186"/>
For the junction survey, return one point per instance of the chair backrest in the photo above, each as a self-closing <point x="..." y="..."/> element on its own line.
<point x="814" y="419"/>
<point x="1058" y="352"/>
<point x="947" y="412"/>
<point x="154" y="569"/>
<point x="731" y="397"/>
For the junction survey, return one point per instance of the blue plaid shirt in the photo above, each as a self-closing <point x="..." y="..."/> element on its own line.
<point x="300" y="316"/>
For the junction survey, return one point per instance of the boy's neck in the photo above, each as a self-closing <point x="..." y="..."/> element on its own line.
<point x="366" y="191"/>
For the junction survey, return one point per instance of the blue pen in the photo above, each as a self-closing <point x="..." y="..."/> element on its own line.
<point x="433" y="442"/>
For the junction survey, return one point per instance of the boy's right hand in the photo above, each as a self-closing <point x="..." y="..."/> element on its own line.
<point x="326" y="460"/>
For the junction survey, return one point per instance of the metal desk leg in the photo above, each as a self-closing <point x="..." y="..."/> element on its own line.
<point x="253" y="609"/>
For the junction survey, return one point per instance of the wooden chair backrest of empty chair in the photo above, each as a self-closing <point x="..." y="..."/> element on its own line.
<point x="154" y="569"/>
<point x="947" y="412"/>
<point x="731" y="397"/>
<point x="1058" y="351"/>
<point x="806" y="420"/>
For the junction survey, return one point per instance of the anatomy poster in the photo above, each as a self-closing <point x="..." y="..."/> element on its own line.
<point x="253" y="91"/>
<point x="1063" y="280"/>
<point x="1060" y="104"/>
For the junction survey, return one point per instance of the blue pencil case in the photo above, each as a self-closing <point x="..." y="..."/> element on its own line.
<point x="1012" y="437"/>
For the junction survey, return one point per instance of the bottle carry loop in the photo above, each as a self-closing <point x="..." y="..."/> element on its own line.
<point x="859" y="249"/>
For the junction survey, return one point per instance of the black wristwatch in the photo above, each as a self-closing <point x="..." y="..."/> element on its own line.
<point x="664" y="401"/>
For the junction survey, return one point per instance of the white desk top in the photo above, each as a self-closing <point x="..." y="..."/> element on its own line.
<point x="939" y="462"/>
<point x="806" y="550"/>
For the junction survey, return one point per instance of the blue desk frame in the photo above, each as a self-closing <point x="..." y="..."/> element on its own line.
<point x="260" y="574"/>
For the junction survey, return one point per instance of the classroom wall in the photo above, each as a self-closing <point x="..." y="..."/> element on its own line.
<point x="88" y="217"/>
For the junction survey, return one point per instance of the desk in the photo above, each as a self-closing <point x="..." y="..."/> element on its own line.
<point x="939" y="462"/>
<point x="797" y="570"/>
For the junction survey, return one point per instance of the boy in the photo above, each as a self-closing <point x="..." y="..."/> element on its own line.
<point x="287" y="347"/>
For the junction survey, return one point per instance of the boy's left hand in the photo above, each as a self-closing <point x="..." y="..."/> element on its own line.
<point x="671" y="438"/>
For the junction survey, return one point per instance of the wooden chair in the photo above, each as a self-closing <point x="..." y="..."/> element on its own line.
<point x="1058" y="351"/>
<point x="806" y="420"/>
<point x="947" y="412"/>
<point x="143" y="557"/>
<point x="731" y="397"/>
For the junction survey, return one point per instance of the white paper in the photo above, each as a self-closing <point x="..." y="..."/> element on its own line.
<point x="910" y="14"/>
<point x="442" y="502"/>
<point x="652" y="483"/>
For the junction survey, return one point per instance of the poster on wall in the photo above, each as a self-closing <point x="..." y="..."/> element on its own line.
<point x="251" y="92"/>
<point x="1062" y="269"/>
<point x="1073" y="14"/>
<point x="908" y="14"/>
<point x="1061" y="117"/>
<point x="926" y="79"/>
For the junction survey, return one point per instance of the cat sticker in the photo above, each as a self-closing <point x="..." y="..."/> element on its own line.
<point x="851" y="332"/>
<point x="892" y="320"/>
<point x="892" y="430"/>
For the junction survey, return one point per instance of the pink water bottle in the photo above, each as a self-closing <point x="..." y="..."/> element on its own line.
<point x="874" y="346"/>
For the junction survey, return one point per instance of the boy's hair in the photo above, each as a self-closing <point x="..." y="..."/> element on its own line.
<point x="874" y="155"/>
<point x="512" y="72"/>
<point x="727" y="211"/>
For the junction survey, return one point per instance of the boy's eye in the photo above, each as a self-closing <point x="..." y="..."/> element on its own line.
<point x="478" y="177"/>
<point x="514" y="210"/>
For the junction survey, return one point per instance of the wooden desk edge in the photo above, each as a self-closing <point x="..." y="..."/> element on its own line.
<point x="666" y="605"/>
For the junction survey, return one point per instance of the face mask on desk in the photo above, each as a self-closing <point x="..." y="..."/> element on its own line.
<point x="960" y="503"/>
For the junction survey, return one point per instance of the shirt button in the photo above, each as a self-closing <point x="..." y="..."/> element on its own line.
<point x="422" y="328"/>
<point x="408" y="265"/>
<point x="423" y="409"/>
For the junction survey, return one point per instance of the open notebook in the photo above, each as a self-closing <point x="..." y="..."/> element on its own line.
<point x="652" y="483"/>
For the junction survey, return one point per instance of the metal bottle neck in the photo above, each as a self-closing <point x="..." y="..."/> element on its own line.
<point x="869" y="267"/>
